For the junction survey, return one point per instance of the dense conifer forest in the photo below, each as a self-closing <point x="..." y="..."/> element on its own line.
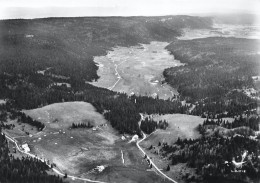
<point x="81" y="125"/>
<point x="66" y="46"/>
<point x="251" y="122"/>
<point x="216" y="78"/>
<point x="211" y="156"/>
<point x="149" y="125"/>
<point x="217" y="72"/>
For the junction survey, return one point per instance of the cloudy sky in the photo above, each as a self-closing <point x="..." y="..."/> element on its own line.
<point x="53" y="8"/>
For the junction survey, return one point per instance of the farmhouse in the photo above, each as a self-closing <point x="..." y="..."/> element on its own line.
<point x="26" y="147"/>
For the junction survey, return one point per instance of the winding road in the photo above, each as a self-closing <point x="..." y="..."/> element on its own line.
<point x="118" y="76"/>
<point x="54" y="169"/>
<point x="164" y="175"/>
<point x="85" y="179"/>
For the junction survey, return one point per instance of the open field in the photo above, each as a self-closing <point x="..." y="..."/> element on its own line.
<point x="136" y="70"/>
<point x="62" y="115"/>
<point x="79" y="151"/>
<point x="180" y="125"/>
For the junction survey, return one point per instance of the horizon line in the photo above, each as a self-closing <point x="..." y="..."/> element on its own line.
<point x="129" y="16"/>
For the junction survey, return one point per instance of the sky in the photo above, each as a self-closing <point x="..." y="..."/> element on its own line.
<point x="70" y="8"/>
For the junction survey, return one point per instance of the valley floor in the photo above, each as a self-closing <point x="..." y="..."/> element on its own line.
<point x="136" y="70"/>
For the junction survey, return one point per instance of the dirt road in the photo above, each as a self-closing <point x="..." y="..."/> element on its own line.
<point x="164" y="175"/>
<point x="54" y="169"/>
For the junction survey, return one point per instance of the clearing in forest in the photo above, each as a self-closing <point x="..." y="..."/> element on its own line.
<point x="137" y="70"/>
<point x="180" y="125"/>
<point x="82" y="151"/>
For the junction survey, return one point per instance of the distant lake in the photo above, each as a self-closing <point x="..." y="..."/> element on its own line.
<point x="223" y="30"/>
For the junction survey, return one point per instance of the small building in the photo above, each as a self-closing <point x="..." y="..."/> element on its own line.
<point x="26" y="147"/>
<point x="134" y="138"/>
<point x="29" y="36"/>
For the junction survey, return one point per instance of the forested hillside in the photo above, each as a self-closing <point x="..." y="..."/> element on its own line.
<point x="211" y="156"/>
<point x="67" y="45"/>
<point x="36" y="54"/>
<point x="217" y="72"/>
<point x="217" y="79"/>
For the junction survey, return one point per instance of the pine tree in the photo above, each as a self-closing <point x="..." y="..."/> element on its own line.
<point x="168" y="168"/>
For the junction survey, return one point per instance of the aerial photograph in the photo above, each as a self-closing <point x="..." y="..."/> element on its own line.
<point x="130" y="91"/>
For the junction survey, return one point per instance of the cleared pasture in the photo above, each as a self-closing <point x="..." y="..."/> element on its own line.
<point x="62" y="115"/>
<point x="180" y="125"/>
<point x="79" y="151"/>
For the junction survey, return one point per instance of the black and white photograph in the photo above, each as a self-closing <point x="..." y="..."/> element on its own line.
<point x="129" y="91"/>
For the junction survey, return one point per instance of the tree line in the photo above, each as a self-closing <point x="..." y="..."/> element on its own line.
<point x="81" y="125"/>
<point x="122" y="111"/>
<point x="251" y="122"/>
<point x="8" y="111"/>
<point x="148" y="125"/>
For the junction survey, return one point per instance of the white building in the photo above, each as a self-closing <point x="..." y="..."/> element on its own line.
<point x="26" y="147"/>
